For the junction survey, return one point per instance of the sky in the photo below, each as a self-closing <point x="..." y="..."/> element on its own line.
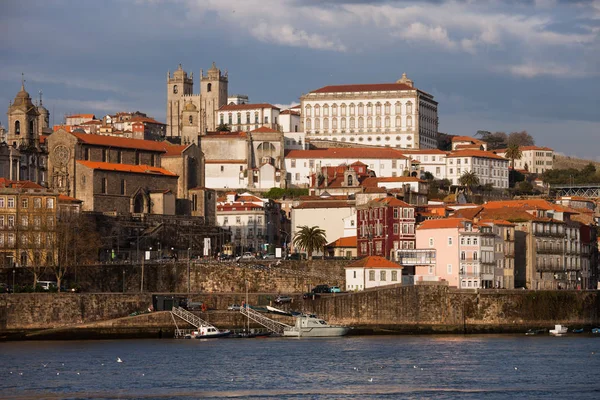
<point x="504" y="65"/>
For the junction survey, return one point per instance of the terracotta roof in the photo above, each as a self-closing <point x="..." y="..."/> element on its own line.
<point x="373" y="262"/>
<point x="324" y="204"/>
<point x="147" y="120"/>
<point x="43" y="138"/>
<point x="353" y="153"/>
<point x="447" y="223"/>
<point x="92" y="122"/>
<point x="175" y="150"/>
<point x="475" y="153"/>
<point x="264" y="129"/>
<point x="66" y="199"/>
<point x="368" y="87"/>
<point x="468" y="213"/>
<point x="7" y="183"/>
<point x="496" y="222"/>
<point x="475" y="146"/>
<point x="349" y="241"/>
<point x="111" y="141"/>
<point x="539" y="204"/>
<point x="136" y="169"/>
<point x="390" y="201"/>
<point x="236" y="107"/>
<point x="285" y="112"/>
<point x="424" y="151"/>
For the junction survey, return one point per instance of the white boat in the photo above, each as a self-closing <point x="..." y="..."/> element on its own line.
<point x="209" y="332"/>
<point x="311" y="326"/>
<point x="559" y="330"/>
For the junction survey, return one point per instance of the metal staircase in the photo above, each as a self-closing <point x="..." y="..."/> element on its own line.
<point x="188" y="317"/>
<point x="271" y="325"/>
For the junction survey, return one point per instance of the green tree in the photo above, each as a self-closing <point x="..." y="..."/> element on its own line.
<point x="469" y="179"/>
<point x="428" y="176"/>
<point x="513" y="153"/>
<point x="223" y="128"/>
<point x="521" y="139"/>
<point x="310" y="239"/>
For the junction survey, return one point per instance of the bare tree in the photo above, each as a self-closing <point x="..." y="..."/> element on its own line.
<point x="77" y="242"/>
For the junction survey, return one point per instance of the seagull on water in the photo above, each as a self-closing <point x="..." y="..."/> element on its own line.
<point x="516" y="368"/>
<point x="45" y="365"/>
<point x="370" y="379"/>
<point x="119" y="359"/>
<point x="414" y="366"/>
<point x="58" y="373"/>
<point x="78" y="373"/>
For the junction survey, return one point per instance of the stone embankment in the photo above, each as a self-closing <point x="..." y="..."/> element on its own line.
<point x="394" y="309"/>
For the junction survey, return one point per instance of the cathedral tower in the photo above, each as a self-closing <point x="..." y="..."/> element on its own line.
<point x="189" y="124"/>
<point x="213" y="89"/>
<point x="178" y="86"/>
<point x="22" y="120"/>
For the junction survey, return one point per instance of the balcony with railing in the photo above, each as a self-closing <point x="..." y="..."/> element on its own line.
<point x="416" y="256"/>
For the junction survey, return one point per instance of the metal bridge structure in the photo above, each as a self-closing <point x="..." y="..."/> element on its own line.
<point x="588" y="190"/>
<point x="271" y="325"/>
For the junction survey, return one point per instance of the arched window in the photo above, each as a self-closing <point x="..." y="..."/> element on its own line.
<point x="378" y="108"/>
<point x="308" y="110"/>
<point x="334" y="110"/>
<point x="317" y="111"/>
<point x="31" y="126"/>
<point x="325" y="110"/>
<point x="369" y="122"/>
<point x="17" y="127"/>
<point x="398" y="108"/>
<point x="398" y="121"/>
<point x="361" y="122"/>
<point x="191" y="120"/>
<point x="343" y="123"/>
<point x="387" y="108"/>
<point x="317" y="123"/>
<point x="409" y="121"/>
<point x="378" y="122"/>
<point x="334" y="123"/>
<point x="325" y="123"/>
<point x="409" y="107"/>
<point x="352" y="108"/>
<point x="350" y="180"/>
<point x="175" y="89"/>
<point x="387" y="122"/>
<point x="343" y="109"/>
<point x="209" y="87"/>
<point x="308" y="124"/>
<point x="361" y="109"/>
<point x="369" y="109"/>
<point x="352" y="123"/>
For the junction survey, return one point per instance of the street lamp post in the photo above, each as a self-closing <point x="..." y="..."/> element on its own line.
<point x="188" y="280"/>
<point x="14" y="273"/>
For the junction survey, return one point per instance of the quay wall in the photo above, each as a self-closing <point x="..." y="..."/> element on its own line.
<point x="394" y="309"/>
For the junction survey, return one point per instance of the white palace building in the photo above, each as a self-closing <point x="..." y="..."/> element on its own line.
<point x="382" y="114"/>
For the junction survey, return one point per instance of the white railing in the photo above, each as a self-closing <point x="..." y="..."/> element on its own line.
<point x="273" y="326"/>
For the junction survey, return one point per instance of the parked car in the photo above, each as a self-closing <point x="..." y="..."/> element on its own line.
<point x="194" y="305"/>
<point x="247" y="256"/>
<point x="311" y="295"/>
<point x="321" y="289"/>
<point x="283" y="299"/>
<point x="234" y="307"/>
<point x="46" y="285"/>
<point x="335" y="289"/>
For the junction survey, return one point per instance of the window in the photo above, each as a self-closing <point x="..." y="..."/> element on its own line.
<point x="382" y="276"/>
<point x="449" y="241"/>
<point x="17" y="127"/>
<point x="123" y="186"/>
<point x="225" y="220"/>
<point x="462" y="240"/>
<point x="394" y="276"/>
<point x="449" y="269"/>
<point x="1" y="202"/>
<point x="222" y="168"/>
<point x="371" y="276"/>
<point x="209" y="87"/>
<point x="1" y="221"/>
<point x="463" y="255"/>
<point x="86" y="154"/>
<point x="25" y="203"/>
<point x="37" y="202"/>
<point x="409" y="109"/>
<point x="11" y="221"/>
<point x="354" y="274"/>
<point x="430" y="242"/>
<point x="24" y="221"/>
<point x="11" y="202"/>
<point x="104" y="187"/>
<point x="104" y="155"/>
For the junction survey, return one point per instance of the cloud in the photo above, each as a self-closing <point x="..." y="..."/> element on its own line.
<point x="532" y="70"/>
<point x="290" y="36"/>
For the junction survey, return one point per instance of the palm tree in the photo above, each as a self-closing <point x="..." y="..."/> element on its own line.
<point x="513" y="152"/>
<point x="310" y="239"/>
<point x="469" y="179"/>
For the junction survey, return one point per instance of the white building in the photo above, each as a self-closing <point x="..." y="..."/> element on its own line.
<point x="489" y="167"/>
<point x="533" y="158"/>
<point x="428" y="160"/>
<point x="384" y="114"/>
<point x="238" y="99"/>
<point x="328" y="213"/>
<point x="372" y="271"/>
<point x="289" y="120"/>
<point x="301" y="164"/>
<point x="253" y="222"/>
<point x="247" y="117"/>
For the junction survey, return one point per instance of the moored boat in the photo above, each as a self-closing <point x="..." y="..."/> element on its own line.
<point x="559" y="330"/>
<point x="209" y="332"/>
<point x="578" y="330"/>
<point x="596" y="331"/>
<point x="531" y="332"/>
<point x="312" y="326"/>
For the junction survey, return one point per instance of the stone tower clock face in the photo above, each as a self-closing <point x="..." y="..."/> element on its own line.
<point x="61" y="154"/>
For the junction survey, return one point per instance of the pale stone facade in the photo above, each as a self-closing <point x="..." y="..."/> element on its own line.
<point x="248" y="117"/>
<point x="489" y="167"/>
<point x="534" y="159"/>
<point x="213" y="95"/>
<point x="387" y="114"/>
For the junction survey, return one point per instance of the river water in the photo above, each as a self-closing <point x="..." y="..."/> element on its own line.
<point x="411" y="367"/>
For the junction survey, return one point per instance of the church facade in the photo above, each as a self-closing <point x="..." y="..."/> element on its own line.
<point x="190" y="115"/>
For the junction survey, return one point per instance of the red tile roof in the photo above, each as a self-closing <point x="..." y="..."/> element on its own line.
<point x="390" y="201"/>
<point x="353" y="153"/>
<point x="111" y="141"/>
<point x="86" y="116"/>
<point x="324" y="204"/>
<point x="224" y="135"/>
<point x="285" y="112"/>
<point x="175" y="150"/>
<point x="374" y="262"/>
<point x="496" y="222"/>
<point x="539" y="204"/>
<point x="7" y="183"/>
<point x="368" y="87"/>
<point x="264" y="129"/>
<point x="373" y="181"/>
<point x="475" y="146"/>
<point x="475" y="153"/>
<point x="92" y="122"/>
<point x="146" y="120"/>
<point x="349" y="241"/>
<point x="447" y="223"/>
<point x="136" y="169"/>
<point x="66" y="199"/>
<point x="239" y="107"/>
<point x="424" y="151"/>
